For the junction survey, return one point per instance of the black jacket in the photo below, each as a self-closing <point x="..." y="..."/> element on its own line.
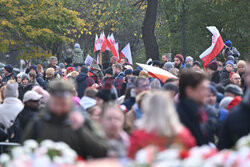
<point x="224" y="77"/>
<point x="25" y="116"/>
<point x="88" y="141"/>
<point x="215" y="77"/>
<point x="83" y="81"/>
<point x="236" y="125"/>
<point x="188" y="112"/>
<point x="23" y="89"/>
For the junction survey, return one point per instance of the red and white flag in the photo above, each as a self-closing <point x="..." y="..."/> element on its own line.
<point x="98" y="43"/>
<point x="126" y="52"/>
<point x="217" y="45"/>
<point x="104" y="42"/>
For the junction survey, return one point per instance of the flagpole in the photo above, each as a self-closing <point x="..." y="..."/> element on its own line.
<point x="100" y="57"/>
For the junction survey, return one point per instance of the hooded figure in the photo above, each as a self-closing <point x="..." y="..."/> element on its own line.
<point x="83" y="81"/>
<point x="77" y="54"/>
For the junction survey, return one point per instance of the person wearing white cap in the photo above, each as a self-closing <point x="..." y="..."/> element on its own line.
<point x="31" y="102"/>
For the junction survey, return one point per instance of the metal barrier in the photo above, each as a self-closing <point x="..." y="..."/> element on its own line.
<point x="5" y="146"/>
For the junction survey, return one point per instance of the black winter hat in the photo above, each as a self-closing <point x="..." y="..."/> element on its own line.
<point x="8" y="68"/>
<point x="109" y="71"/>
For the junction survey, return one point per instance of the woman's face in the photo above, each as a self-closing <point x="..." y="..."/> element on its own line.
<point x="112" y="122"/>
<point x="25" y="82"/>
<point x="229" y="67"/>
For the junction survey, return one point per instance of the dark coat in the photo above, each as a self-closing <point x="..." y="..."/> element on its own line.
<point x="5" y="79"/>
<point x="40" y="81"/>
<point x="23" y="89"/>
<point x="236" y="125"/>
<point x="86" y="141"/>
<point x="188" y="114"/>
<point x="25" y="116"/>
<point x="215" y="77"/>
<point x="129" y="103"/>
<point x="224" y="77"/>
<point x="118" y="81"/>
<point x="83" y="81"/>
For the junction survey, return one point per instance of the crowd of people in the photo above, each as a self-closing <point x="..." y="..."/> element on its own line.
<point x="116" y="109"/>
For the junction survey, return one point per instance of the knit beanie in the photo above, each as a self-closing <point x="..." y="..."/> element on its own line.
<point x="168" y="66"/>
<point x="213" y="65"/>
<point x="11" y="90"/>
<point x="189" y="58"/>
<point x="8" y="68"/>
<point x="84" y="69"/>
<point x="197" y="63"/>
<point x="230" y="62"/>
<point x="180" y="57"/>
<point x="77" y="45"/>
<point x="109" y="71"/>
<point x="25" y="76"/>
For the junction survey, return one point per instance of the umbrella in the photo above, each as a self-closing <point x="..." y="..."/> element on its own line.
<point x="157" y="72"/>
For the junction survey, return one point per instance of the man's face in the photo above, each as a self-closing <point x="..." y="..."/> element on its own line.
<point x="247" y="76"/>
<point x="53" y="62"/>
<point x="211" y="98"/>
<point x="164" y="58"/>
<point x="220" y="66"/>
<point x="33" y="104"/>
<point x="235" y="79"/>
<point x="6" y="73"/>
<point x="123" y="61"/>
<point x="177" y="62"/>
<point x="200" y="93"/>
<point x="241" y="69"/>
<point x="33" y="71"/>
<point x="196" y="68"/>
<point x="61" y="105"/>
<point x="112" y="122"/>
<point x="229" y="67"/>
<point x="190" y="62"/>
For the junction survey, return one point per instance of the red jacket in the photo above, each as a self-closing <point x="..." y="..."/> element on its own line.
<point x="140" y="139"/>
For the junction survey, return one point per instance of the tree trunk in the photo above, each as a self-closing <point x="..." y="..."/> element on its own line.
<point x="148" y="36"/>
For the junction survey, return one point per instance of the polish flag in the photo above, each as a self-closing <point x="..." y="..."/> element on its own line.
<point x="126" y="52"/>
<point x="112" y="49"/>
<point x="104" y="42"/>
<point x="98" y="43"/>
<point x="217" y="45"/>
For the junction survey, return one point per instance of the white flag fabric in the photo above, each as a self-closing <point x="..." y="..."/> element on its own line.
<point x="89" y="60"/>
<point x="126" y="52"/>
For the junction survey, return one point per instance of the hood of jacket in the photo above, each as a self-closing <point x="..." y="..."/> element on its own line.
<point x="81" y="77"/>
<point x="77" y="50"/>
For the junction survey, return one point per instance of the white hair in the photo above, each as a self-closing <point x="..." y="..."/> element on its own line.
<point x="160" y="115"/>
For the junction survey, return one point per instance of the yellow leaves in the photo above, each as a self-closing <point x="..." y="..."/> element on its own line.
<point x="118" y="5"/>
<point x="46" y="30"/>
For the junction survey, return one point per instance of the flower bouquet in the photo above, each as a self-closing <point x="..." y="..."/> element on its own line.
<point x="45" y="154"/>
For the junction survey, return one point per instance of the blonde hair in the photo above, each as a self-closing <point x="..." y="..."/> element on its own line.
<point x="241" y="63"/>
<point x="160" y="115"/>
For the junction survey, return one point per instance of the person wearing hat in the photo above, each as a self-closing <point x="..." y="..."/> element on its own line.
<point x="224" y="78"/>
<point x="11" y="105"/>
<point x="230" y="51"/>
<point x="233" y="91"/>
<point x="83" y="81"/>
<point x="178" y="61"/>
<point x="8" y="73"/>
<point x="59" y="122"/>
<point x="168" y="66"/>
<point x="197" y="66"/>
<point x="24" y="86"/>
<point x="77" y="54"/>
<point x="214" y="74"/>
<point x="237" y="123"/>
<point x="38" y="76"/>
<point x="189" y="60"/>
<point x="31" y="102"/>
